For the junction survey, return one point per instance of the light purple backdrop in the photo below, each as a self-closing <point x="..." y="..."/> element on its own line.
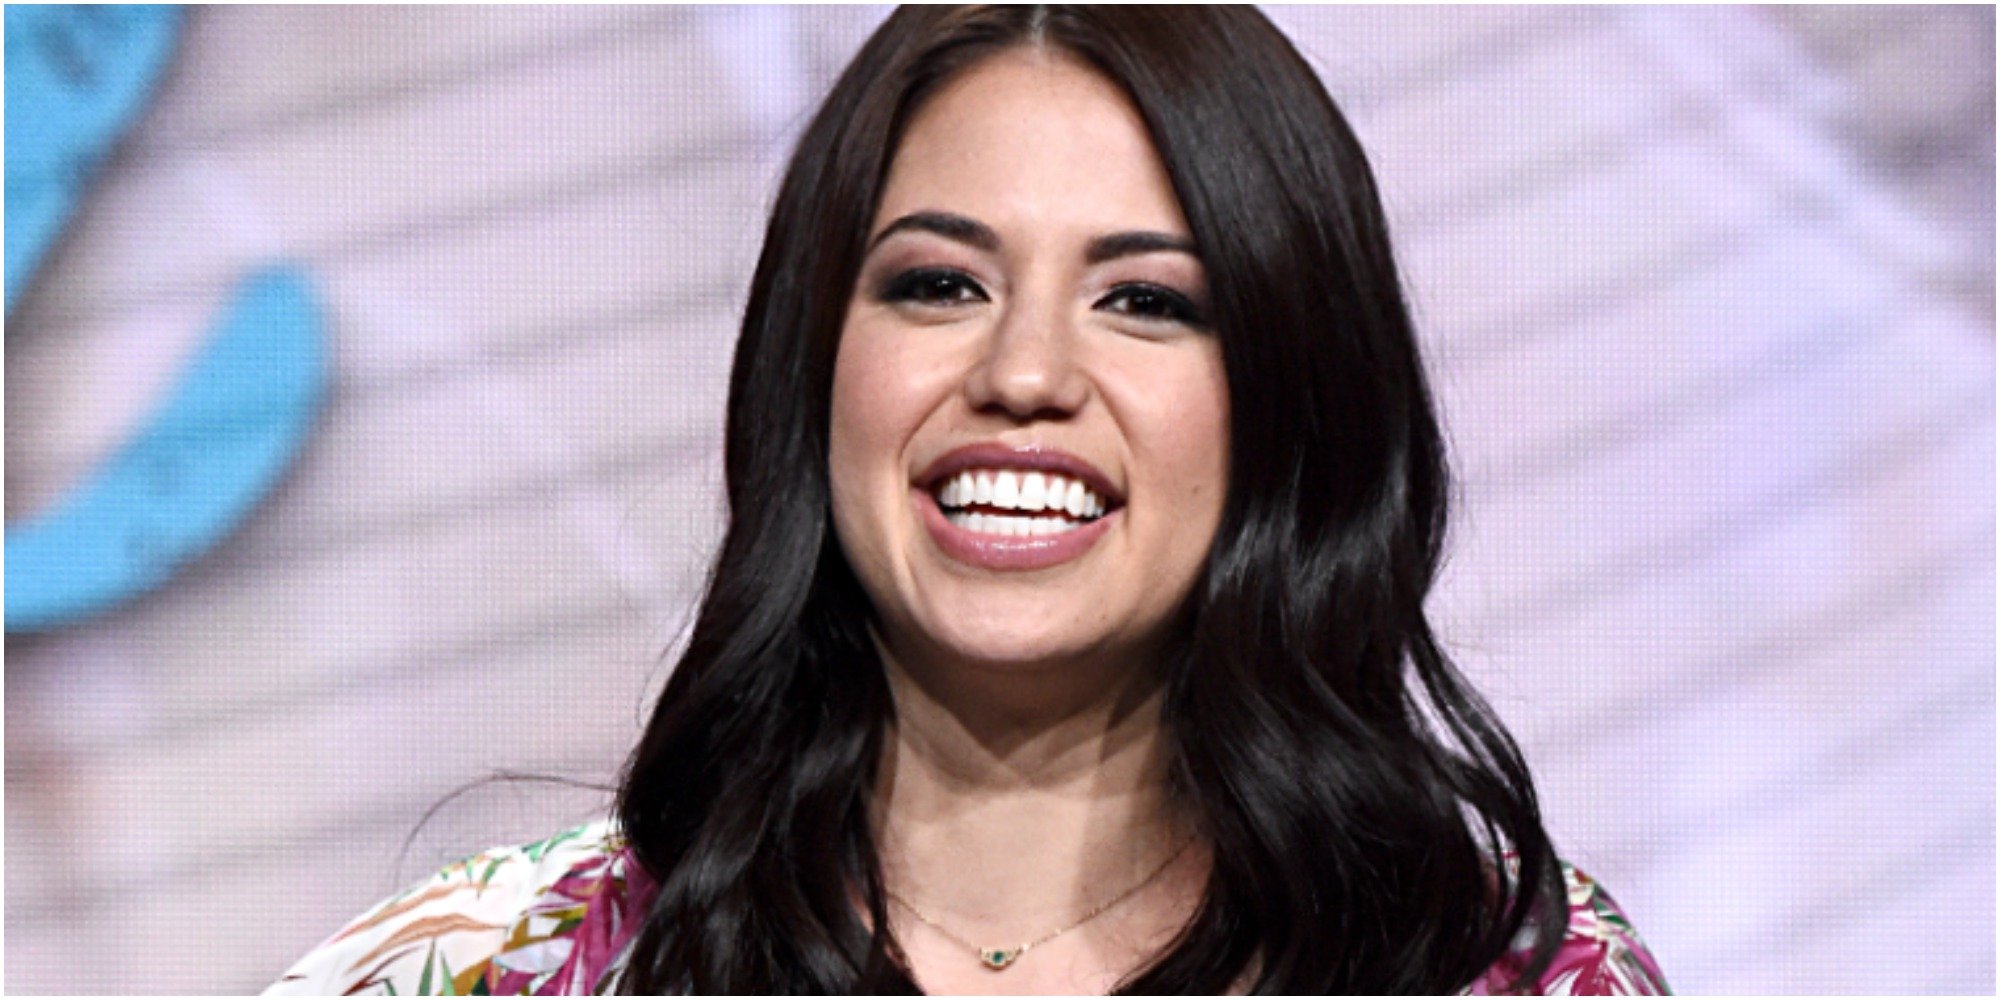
<point x="1709" y="294"/>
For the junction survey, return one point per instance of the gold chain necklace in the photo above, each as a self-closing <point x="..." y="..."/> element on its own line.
<point x="1000" y="958"/>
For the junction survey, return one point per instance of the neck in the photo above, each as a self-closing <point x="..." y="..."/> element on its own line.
<point x="1006" y="815"/>
<point x="987" y="730"/>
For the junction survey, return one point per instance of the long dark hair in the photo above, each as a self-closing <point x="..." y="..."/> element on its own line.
<point x="1373" y="827"/>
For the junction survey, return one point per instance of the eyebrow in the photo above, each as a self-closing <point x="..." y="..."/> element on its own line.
<point x="951" y="227"/>
<point x="981" y="236"/>
<point x="1116" y="245"/>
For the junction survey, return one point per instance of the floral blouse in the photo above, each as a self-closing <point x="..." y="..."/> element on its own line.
<point x="557" y="917"/>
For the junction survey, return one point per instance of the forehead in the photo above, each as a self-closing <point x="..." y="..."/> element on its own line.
<point x="1032" y="135"/>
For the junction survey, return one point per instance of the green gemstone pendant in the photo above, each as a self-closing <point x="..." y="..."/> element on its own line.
<point x="999" y="958"/>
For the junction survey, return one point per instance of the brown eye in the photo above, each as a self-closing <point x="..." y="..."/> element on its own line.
<point x="1153" y="302"/>
<point x="931" y="286"/>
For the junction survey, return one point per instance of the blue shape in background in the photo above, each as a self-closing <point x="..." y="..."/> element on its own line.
<point x="77" y="78"/>
<point x="241" y="412"/>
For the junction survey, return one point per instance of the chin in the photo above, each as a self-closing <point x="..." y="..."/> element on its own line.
<point x="1023" y="657"/>
<point x="1004" y="649"/>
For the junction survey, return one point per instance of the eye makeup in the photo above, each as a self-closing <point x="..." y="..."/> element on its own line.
<point x="929" y="286"/>
<point x="1152" y="302"/>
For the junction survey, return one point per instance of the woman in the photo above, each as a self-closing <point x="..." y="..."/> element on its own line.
<point x="1068" y="635"/>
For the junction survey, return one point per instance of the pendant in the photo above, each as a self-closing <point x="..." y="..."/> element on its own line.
<point x="999" y="958"/>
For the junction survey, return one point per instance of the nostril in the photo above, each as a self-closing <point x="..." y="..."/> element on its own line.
<point x="1025" y="415"/>
<point x="1026" y="378"/>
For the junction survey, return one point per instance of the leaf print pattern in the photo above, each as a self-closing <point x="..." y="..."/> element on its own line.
<point x="558" y="917"/>
<point x="548" y="917"/>
<point x="1600" y="954"/>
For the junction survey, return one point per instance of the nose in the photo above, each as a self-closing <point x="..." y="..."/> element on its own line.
<point x="1027" y="368"/>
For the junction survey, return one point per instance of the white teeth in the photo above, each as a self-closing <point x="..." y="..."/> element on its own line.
<point x="1023" y="491"/>
<point x="1034" y="487"/>
<point x="1006" y="490"/>
<point x="1074" y="500"/>
<point x="1012" y="527"/>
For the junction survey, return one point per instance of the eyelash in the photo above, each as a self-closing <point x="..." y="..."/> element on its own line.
<point x="944" y="287"/>
<point x="923" y="284"/>
<point x="1167" y="305"/>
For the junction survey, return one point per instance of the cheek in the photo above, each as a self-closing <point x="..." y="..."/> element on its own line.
<point x="1187" y="419"/>
<point x="881" y="396"/>
<point x="855" y="439"/>
<point x="1193" y="434"/>
<point x="1202" y="463"/>
<point x="1208" y="430"/>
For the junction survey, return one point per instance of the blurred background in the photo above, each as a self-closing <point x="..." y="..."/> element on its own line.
<point x="1709" y="294"/>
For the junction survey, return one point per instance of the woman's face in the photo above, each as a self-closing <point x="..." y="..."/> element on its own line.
<point x="1029" y="449"/>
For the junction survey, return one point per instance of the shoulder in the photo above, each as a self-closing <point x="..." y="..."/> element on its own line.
<point x="1601" y="954"/>
<point x="534" y="918"/>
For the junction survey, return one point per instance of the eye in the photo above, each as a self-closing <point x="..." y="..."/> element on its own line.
<point x="931" y="286"/>
<point x="1153" y="302"/>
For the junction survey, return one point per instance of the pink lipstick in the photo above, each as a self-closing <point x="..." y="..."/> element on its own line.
<point x="1035" y="507"/>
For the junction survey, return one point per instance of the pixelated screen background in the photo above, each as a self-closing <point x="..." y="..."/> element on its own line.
<point x="1708" y="294"/>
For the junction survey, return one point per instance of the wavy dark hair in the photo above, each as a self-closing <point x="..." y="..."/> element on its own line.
<point x="1374" y="828"/>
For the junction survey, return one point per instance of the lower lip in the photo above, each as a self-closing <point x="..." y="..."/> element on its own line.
<point x="1008" y="552"/>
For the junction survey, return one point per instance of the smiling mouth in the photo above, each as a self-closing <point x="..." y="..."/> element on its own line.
<point x="1015" y="504"/>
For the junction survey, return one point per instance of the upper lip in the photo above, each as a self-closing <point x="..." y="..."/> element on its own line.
<point x="1033" y="457"/>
